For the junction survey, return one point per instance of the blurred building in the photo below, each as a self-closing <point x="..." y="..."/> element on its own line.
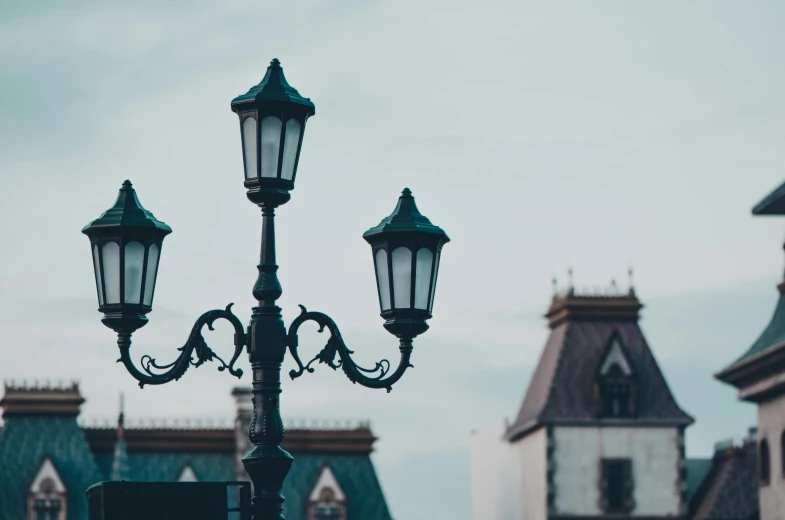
<point x="759" y="374"/>
<point x="600" y="435"/>
<point x="48" y="460"/>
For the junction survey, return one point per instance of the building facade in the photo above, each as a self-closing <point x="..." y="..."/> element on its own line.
<point x="47" y="460"/>
<point x="759" y="375"/>
<point x="600" y="435"/>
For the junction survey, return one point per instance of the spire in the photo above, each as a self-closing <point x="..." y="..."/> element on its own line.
<point x="121" y="419"/>
<point x="120" y="470"/>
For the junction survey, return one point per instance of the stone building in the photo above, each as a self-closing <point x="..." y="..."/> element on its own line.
<point x="48" y="460"/>
<point x="600" y="435"/>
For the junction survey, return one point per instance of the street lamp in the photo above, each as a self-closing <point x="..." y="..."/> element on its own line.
<point x="126" y="246"/>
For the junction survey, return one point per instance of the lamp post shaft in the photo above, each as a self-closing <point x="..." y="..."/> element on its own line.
<point x="267" y="463"/>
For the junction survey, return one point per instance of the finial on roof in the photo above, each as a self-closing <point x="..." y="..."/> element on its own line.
<point x="630" y="280"/>
<point x="614" y="286"/>
<point x="570" y="284"/>
<point x="555" y="285"/>
<point x="121" y="418"/>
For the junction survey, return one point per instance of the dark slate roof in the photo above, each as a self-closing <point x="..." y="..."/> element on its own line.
<point x="26" y="442"/>
<point x="355" y="474"/>
<point x="562" y="387"/>
<point x="730" y="489"/>
<point x="772" y="204"/>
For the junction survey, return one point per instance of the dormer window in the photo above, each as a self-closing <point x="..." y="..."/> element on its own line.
<point x="615" y="383"/>
<point x="327" y="500"/>
<point x="46" y="499"/>
<point x="187" y="474"/>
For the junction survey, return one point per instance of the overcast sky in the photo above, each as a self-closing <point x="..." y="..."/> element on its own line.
<point x="541" y="136"/>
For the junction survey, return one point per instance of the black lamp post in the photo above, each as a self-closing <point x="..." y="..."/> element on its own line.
<point x="126" y="246"/>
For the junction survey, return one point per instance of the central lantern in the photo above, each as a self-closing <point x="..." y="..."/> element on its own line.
<point x="272" y="124"/>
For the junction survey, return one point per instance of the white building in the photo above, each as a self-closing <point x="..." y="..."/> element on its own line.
<point x="599" y="433"/>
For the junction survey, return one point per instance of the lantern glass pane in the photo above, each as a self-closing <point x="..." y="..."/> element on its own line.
<point x="152" y="271"/>
<point x="433" y="283"/>
<point x="383" y="279"/>
<point x="402" y="277"/>
<point x="291" y="140"/>
<point x="423" y="278"/>
<point x="134" y="262"/>
<point x="249" y="145"/>
<point x="111" y="255"/>
<point x="97" y="267"/>
<point x="271" y="141"/>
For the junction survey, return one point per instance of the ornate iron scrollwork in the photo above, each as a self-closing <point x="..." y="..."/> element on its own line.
<point x="376" y="377"/>
<point x="150" y="373"/>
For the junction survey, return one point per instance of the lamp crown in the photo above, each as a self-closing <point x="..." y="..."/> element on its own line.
<point x="405" y="218"/>
<point x="273" y="89"/>
<point x="127" y="212"/>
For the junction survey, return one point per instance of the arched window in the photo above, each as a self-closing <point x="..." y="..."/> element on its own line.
<point x="782" y="452"/>
<point x="615" y="390"/>
<point x="46" y="495"/>
<point x="763" y="462"/>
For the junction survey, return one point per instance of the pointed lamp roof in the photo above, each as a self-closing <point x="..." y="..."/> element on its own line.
<point x="273" y="88"/>
<point x="405" y="218"/>
<point x="126" y="213"/>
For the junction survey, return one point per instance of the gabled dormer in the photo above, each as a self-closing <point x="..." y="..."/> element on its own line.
<point x="327" y="500"/>
<point x="615" y="389"/>
<point x="46" y="496"/>
<point x="187" y="474"/>
<point x="596" y="365"/>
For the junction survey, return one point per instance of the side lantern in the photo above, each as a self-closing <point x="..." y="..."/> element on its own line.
<point x="406" y="252"/>
<point x="126" y="246"/>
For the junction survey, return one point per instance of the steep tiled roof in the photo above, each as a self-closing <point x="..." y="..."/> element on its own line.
<point x="355" y="474"/>
<point x="26" y="441"/>
<point x="730" y="489"/>
<point x="562" y="387"/>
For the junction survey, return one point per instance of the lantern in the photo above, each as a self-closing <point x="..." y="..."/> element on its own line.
<point x="272" y="124"/>
<point x="406" y="252"/>
<point x="126" y="247"/>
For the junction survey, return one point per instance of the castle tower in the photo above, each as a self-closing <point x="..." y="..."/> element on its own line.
<point x="759" y="375"/>
<point x="598" y="434"/>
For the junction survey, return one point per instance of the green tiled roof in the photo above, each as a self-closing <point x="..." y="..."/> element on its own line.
<point x="697" y="470"/>
<point x="27" y="440"/>
<point x="773" y="334"/>
<point x="150" y="467"/>
<point x="25" y="443"/>
<point x="354" y="473"/>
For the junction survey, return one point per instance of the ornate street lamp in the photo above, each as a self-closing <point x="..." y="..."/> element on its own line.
<point x="126" y="246"/>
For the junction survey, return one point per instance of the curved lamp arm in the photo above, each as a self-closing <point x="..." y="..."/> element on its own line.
<point x="151" y="371"/>
<point x="370" y="377"/>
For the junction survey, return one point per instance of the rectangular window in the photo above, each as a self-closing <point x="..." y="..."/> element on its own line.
<point x="46" y="509"/>
<point x="327" y="513"/>
<point x="617" y="486"/>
